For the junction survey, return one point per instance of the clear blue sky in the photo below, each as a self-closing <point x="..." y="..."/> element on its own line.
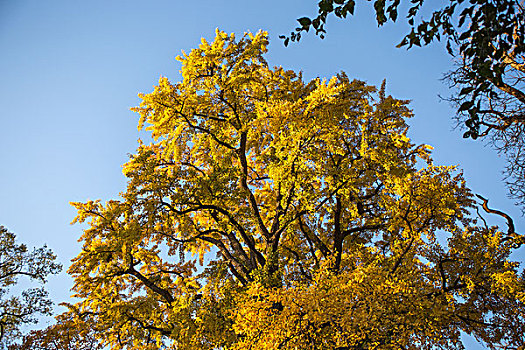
<point x="70" y="70"/>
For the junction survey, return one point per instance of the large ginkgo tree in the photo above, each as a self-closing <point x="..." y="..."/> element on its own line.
<point x="274" y="213"/>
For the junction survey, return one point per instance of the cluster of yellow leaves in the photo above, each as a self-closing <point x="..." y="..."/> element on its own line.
<point x="275" y="213"/>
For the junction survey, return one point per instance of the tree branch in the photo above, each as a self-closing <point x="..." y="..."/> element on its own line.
<point x="510" y="222"/>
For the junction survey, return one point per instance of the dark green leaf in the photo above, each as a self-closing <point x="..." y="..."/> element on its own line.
<point x="393" y="15"/>
<point x="305" y="21"/>
<point x="326" y="6"/>
<point x="350" y="6"/>
<point x="316" y="23"/>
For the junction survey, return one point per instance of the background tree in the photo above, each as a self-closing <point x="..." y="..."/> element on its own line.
<point x="328" y="226"/>
<point x="22" y="307"/>
<point x="487" y="38"/>
<point x="70" y="332"/>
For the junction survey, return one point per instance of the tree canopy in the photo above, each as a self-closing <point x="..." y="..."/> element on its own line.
<point x="19" y="307"/>
<point x="274" y="213"/>
<point x="487" y="38"/>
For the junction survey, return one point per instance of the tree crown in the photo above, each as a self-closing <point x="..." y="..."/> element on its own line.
<point x="316" y="221"/>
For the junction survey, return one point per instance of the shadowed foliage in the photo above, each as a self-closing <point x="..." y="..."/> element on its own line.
<point x="19" y="307"/>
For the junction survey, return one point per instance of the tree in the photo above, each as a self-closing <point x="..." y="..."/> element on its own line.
<point x="275" y="213"/>
<point x="487" y="37"/>
<point x="70" y="332"/>
<point x="15" y="262"/>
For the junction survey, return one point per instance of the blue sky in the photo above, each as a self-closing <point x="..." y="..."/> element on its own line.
<point x="70" y="71"/>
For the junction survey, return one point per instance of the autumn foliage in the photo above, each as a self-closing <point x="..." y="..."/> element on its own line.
<point x="274" y="213"/>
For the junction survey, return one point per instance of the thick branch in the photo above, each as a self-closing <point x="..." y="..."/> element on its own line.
<point x="361" y="229"/>
<point x="511" y="90"/>
<point x="163" y="331"/>
<point x="510" y="222"/>
<point x="400" y="259"/>
<point x="338" y="234"/>
<point x="152" y="286"/>
<point x="317" y="241"/>
<point x="236" y="245"/>
<point x="278" y="212"/>
<point x="241" y="153"/>
<point x="229" y="257"/>
<point x="247" y="238"/>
